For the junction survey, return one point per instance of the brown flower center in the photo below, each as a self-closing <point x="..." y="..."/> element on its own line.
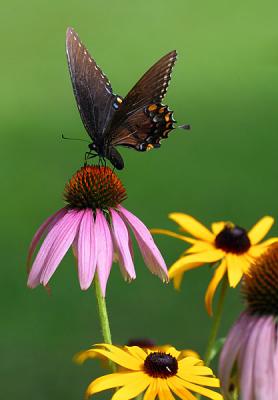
<point x="260" y="286"/>
<point x="233" y="239"/>
<point x="141" y="342"/>
<point x="94" y="187"/>
<point x="160" y="365"/>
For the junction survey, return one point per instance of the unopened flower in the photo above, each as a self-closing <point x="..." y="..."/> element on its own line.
<point x="249" y="358"/>
<point x="157" y="373"/>
<point x="98" y="227"/>
<point x="230" y="245"/>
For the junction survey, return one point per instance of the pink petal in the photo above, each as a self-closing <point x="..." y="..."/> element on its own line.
<point x="233" y="344"/>
<point x="246" y="361"/>
<point x="264" y="373"/>
<point x="86" y="250"/>
<point x="54" y="247"/>
<point x="148" y="248"/>
<point x="104" y="249"/>
<point x="45" y="227"/>
<point x="122" y="240"/>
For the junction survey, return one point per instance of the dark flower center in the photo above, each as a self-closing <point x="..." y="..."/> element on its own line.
<point x="143" y="342"/>
<point x="260" y="286"/>
<point x="94" y="187"/>
<point x="160" y="365"/>
<point x="233" y="239"/>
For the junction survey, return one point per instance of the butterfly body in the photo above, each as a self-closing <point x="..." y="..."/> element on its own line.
<point x="138" y="121"/>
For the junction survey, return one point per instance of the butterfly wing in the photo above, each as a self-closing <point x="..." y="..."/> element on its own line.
<point x="93" y="92"/>
<point x="142" y="120"/>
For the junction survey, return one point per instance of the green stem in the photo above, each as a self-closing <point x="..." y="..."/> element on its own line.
<point x="103" y="317"/>
<point x="216" y="321"/>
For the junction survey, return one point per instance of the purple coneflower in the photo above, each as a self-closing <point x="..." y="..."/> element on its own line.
<point x="249" y="359"/>
<point x="96" y="225"/>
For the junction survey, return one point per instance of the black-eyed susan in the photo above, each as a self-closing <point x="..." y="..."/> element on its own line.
<point x="233" y="247"/>
<point x="157" y="374"/>
<point x="143" y="343"/>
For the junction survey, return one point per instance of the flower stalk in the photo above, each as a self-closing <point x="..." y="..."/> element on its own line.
<point x="103" y="318"/>
<point x="216" y="322"/>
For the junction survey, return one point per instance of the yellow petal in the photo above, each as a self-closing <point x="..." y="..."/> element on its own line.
<point x="179" y="390"/>
<point x="121" y="357"/>
<point x="174" y="352"/>
<point x="260" y="229"/>
<point x="203" y="391"/>
<point x="194" y="260"/>
<point x="236" y="266"/>
<point x="151" y="392"/>
<point x="217" y="227"/>
<point x="137" y="352"/>
<point x="189" y="362"/>
<point x="134" y="388"/>
<point x="111" y="381"/>
<point x="164" y="392"/>
<point x="189" y="353"/>
<point x="82" y="356"/>
<point x="268" y="242"/>
<point x="200" y="380"/>
<point x="218" y="275"/>
<point x="200" y="246"/>
<point x="173" y="234"/>
<point x="256" y="251"/>
<point x="192" y="226"/>
<point x="178" y="278"/>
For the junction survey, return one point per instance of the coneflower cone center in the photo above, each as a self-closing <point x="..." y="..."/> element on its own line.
<point x="233" y="239"/>
<point x="260" y="285"/>
<point x="160" y="365"/>
<point x="94" y="187"/>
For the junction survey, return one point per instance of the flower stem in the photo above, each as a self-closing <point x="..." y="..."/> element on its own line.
<point x="216" y="321"/>
<point x="103" y="317"/>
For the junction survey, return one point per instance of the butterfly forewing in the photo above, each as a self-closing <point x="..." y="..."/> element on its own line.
<point x="93" y="92"/>
<point x="142" y="119"/>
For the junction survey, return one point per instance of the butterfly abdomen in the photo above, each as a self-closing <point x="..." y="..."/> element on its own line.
<point x="161" y="122"/>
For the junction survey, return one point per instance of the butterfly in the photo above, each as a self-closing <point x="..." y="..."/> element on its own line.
<point x="139" y="120"/>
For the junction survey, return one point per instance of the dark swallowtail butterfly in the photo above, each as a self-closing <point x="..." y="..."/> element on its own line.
<point x="139" y="120"/>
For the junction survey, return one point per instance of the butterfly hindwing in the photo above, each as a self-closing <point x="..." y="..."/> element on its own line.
<point x="93" y="92"/>
<point x="142" y="120"/>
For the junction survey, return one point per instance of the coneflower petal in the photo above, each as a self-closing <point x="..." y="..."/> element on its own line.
<point x="122" y="239"/>
<point x="246" y="361"/>
<point x="62" y="236"/>
<point x="236" y="338"/>
<point x="44" y="228"/>
<point x="264" y="372"/>
<point x="104" y="249"/>
<point x="86" y="250"/>
<point x="148" y="248"/>
<point x="41" y="261"/>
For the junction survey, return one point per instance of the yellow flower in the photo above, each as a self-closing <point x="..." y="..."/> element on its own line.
<point x="229" y="244"/>
<point x="144" y="344"/>
<point x="155" y="373"/>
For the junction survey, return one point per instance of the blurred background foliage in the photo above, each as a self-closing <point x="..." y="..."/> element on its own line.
<point x="225" y="85"/>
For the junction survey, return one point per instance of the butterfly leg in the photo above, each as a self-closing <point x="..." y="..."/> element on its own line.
<point x="88" y="156"/>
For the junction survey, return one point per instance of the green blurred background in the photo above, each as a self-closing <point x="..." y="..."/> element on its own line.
<point x="225" y="85"/>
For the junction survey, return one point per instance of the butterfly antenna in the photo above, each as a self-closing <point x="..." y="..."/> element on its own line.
<point x="186" y="126"/>
<point x="67" y="138"/>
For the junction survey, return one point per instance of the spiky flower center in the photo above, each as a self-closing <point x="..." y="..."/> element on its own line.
<point x="260" y="285"/>
<point x="233" y="239"/>
<point x="94" y="187"/>
<point x="160" y="365"/>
